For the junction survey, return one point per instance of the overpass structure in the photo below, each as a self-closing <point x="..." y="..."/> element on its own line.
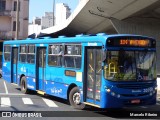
<point x="112" y="17"/>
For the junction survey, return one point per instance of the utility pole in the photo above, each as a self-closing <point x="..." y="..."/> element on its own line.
<point x="17" y="20"/>
<point x="53" y="11"/>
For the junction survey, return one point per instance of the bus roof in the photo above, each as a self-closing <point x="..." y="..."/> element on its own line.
<point x="100" y="37"/>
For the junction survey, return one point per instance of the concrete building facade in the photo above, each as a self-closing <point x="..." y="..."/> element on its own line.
<point x="8" y="19"/>
<point x="62" y="13"/>
<point x="47" y="20"/>
<point x="36" y="20"/>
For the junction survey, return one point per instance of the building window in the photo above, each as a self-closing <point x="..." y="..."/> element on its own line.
<point x="2" y="5"/>
<point x="55" y="55"/>
<point x="14" y="26"/>
<point x="31" y="54"/>
<point x="23" y="53"/>
<point x="15" y="6"/>
<point x="7" y="53"/>
<point x="72" y="56"/>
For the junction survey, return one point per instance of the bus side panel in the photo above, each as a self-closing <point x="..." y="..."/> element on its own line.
<point x="31" y="81"/>
<point x="6" y="71"/>
<point x="31" y="84"/>
<point x="56" y="89"/>
<point x="57" y="82"/>
<point x="29" y="71"/>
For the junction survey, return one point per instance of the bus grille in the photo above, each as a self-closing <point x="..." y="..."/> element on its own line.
<point x="135" y="86"/>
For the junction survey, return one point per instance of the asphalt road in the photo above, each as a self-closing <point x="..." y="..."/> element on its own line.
<point x="17" y="104"/>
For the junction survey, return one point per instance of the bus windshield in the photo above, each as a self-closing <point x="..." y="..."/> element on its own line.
<point x="130" y="66"/>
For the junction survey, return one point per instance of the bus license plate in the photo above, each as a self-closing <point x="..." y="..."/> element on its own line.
<point x="135" y="101"/>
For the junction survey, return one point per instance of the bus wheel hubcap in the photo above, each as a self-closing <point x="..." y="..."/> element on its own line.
<point x="76" y="98"/>
<point x="23" y="85"/>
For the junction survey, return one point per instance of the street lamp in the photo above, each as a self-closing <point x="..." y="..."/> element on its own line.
<point x="53" y="11"/>
<point x="17" y="20"/>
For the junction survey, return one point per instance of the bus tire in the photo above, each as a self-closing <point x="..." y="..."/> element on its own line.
<point x="74" y="99"/>
<point x="24" y="85"/>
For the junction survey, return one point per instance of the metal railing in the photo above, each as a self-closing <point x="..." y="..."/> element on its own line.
<point x="5" y="13"/>
<point x="5" y="35"/>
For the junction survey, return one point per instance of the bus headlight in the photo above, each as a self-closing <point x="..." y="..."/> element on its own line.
<point x="150" y="94"/>
<point x="108" y="90"/>
<point x="118" y="96"/>
<point x="112" y="93"/>
<point x="155" y="88"/>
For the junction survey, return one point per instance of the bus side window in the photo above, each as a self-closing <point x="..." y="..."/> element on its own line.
<point x="55" y="55"/>
<point x="7" y="53"/>
<point x="23" y="53"/>
<point x="72" y="57"/>
<point x="31" y="54"/>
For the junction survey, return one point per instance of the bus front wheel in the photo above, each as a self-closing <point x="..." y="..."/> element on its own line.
<point x="24" y="85"/>
<point x="75" y="97"/>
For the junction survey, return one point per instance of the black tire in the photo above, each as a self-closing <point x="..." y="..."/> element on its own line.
<point x="24" y="85"/>
<point x="74" y="99"/>
<point x="0" y="75"/>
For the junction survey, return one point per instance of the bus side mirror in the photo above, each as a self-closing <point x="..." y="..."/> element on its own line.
<point x="104" y="56"/>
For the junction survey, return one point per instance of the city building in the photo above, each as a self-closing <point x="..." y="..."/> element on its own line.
<point x="62" y="13"/>
<point x="47" y="20"/>
<point x="36" y="20"/>
<point x="34" y="27"/>
<point x="8" y="19"/>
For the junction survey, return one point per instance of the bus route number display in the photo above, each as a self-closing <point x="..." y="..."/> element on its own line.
<point x="140" y="43"/>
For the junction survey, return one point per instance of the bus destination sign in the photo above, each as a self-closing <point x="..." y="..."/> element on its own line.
<point x="130" y="42"/>
<point x="140" y="43"/>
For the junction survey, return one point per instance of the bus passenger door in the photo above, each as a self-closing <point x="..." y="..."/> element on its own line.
<point x="93" y="70"/>
<point x="40" y="68"/>
<point x="14" y="60"/>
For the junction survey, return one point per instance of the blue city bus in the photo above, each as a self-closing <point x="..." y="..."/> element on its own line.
<point x="105" y="71"/>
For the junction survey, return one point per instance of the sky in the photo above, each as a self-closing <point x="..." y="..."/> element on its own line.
<point x="37" y="8"/>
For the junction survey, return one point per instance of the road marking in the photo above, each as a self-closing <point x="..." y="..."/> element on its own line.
<point x="11" y="94"/>
<point x="5" y="102"/>
<point x="50" y="103"/>
<point x="27" y="101"/>
<point x="5" y="87"/>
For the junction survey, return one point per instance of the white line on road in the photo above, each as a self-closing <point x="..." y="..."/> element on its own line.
<point x="11" y="94"/>
<point x="27" y="101"/>
<point x="5" y="102"/>
<point x="50" y="103"/>
<point x="5" y="87"/>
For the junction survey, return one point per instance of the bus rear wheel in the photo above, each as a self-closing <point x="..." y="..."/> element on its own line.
<point x="24" y="85"/>
<point x="74" y="99"/>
